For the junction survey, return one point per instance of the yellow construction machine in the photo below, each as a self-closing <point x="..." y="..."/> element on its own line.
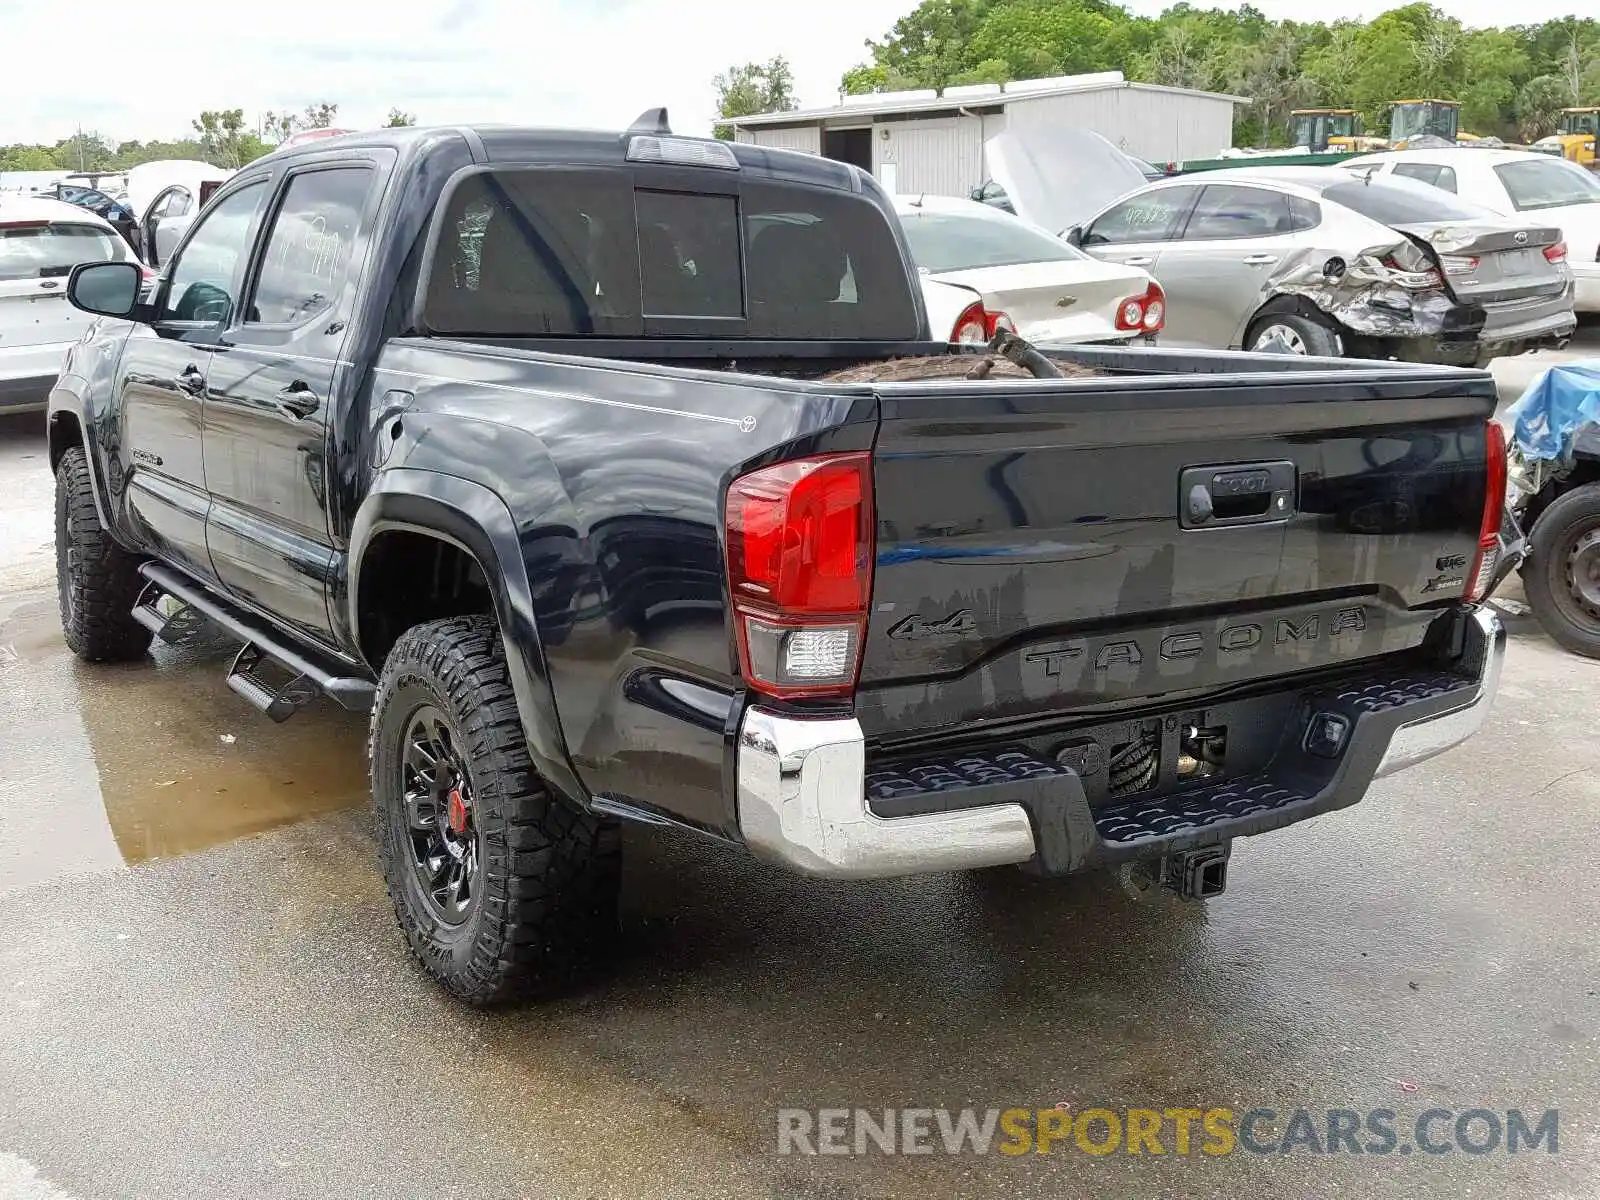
<point x="1410" y="119"/>
<point x="1323" y="129"/>
<point x="1577" y="133"/>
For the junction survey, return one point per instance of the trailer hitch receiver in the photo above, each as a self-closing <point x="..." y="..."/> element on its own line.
<point x="1197" y="874"/>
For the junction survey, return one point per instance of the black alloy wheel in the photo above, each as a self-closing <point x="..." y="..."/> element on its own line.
<point x="446" y="850"/>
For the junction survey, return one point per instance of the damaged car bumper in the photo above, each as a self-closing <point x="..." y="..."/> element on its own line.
<point x="1434" y="328"/>
<point x="1386" y="311"/>
<point x="812" y="797"/>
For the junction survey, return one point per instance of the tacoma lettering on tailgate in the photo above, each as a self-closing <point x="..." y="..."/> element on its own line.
<point x="1231" y="639"/>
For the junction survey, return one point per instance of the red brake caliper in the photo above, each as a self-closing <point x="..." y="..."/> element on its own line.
<point x="458" y="812"/>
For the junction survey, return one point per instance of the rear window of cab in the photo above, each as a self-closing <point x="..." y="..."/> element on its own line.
<point x="554" y="252"/>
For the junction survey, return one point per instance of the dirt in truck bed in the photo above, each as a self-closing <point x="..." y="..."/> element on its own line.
<point x="1007" y="356"/>
<point x="946" y="366"/>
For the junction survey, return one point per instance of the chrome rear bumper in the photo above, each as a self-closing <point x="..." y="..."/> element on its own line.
<point x="802" y="790"/>
<point x="1422" y="740"/>
<point x="802" y="801"/>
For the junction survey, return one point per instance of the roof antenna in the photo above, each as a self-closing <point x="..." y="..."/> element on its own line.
<point x="651" y="120"/>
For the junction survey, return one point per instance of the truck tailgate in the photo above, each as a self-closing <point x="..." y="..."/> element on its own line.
<point x="1042" y="548"/>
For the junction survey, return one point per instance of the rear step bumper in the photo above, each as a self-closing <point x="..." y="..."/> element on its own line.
<point x="807" y="798"/>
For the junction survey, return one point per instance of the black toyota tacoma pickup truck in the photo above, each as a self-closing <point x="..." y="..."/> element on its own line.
<point x="517" y="439"/>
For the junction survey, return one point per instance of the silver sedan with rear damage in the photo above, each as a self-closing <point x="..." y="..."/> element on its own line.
<point x="1315" y="260"/>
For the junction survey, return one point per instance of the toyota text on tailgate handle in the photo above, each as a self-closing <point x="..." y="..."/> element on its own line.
<point x="1236" y="494"/>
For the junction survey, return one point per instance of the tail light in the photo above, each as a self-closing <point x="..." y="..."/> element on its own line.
<point x="1494" y="503"/>
<point x="1425" y="279"/>
<point x="799" y="538"/>
<point x="1145" y="313"/>
<point x="1556" y="253"/>
<point x="977" y="324"/>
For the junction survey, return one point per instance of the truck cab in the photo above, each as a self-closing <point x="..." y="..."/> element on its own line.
<point x="1577" y="133"/>
<point x="1410" y="119"/>
<point x="1322" y="129"/>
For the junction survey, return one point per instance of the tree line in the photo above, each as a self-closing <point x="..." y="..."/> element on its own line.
<point x="222" y="137"/>
<point x="1512" y="82"/>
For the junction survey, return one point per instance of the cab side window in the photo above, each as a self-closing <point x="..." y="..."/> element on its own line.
<point x="176" y="204"/>
<point x="1154" y="216"/>
<point x="1304" y="214"/>
<point x="203" y="286"/>
<point x="1231" y="211"/>
<point x="310" y="246"/>
<point x="1432" y="173"/>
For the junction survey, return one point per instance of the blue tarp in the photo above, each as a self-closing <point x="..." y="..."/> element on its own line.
<point x="1555" y="407"/>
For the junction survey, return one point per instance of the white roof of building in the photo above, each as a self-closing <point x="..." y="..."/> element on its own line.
<point x="983" y="95"/>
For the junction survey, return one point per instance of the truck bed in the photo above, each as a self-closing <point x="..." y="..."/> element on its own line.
<point x="1031" y="571"/>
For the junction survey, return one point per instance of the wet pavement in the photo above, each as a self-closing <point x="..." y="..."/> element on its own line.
<point x="203" y="994"/>
<point x="1513" y="375"/>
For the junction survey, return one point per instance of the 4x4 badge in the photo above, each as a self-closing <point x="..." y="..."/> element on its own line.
<point x="957" y="624"/>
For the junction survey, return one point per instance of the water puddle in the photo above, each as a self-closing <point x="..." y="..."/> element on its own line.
<point x="124" y="763"/>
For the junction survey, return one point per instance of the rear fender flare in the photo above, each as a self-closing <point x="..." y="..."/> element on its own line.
<point x="476" y="521"/>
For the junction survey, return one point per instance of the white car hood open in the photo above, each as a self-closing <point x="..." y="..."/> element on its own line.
<point x="149" y="180"/>
<point x="1058" y="178"/>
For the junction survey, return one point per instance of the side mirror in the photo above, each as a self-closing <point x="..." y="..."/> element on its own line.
<point x="1073" y="236"/>
<point x="106" y="289"/>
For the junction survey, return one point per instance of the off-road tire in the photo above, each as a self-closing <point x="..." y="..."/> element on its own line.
<point x="546" y="902"/>
<point x="1317" y="338"/>
<point x="97" y="581"/>
<point x="1544" y="574"/>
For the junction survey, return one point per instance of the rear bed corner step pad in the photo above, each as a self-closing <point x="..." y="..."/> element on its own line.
<point x="308" y="674"/>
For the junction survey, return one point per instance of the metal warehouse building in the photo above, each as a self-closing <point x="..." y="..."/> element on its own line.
<point x="932" y="141"/>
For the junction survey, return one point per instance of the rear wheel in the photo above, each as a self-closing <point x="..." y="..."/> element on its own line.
<point x="503" y="890"/>
<point x="1562" y="574"/>
<point x="97" y="581"/>
<point x="1292" y="333"/>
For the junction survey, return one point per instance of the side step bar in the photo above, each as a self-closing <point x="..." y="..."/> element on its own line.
<point x="262" y="645"/>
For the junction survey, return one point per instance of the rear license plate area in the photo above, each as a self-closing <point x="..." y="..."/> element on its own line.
<point x="1146" y="755"/>
<point x="1512" y="263"/>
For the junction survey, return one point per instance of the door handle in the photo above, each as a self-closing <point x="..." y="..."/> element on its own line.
<point x="1260" y="260"/>
<point x="297" y="400"/>
<point x="1138" y="260"/>
<point x="1236" y="494"/>
<point x="191" y="380"/>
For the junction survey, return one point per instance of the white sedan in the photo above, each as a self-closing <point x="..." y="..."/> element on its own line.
<point x="1513" y="182"/>
<point x="40" y="242"/>
<point x="983" y="268"/>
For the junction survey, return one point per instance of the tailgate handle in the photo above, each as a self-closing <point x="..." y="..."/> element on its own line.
<point x="1236" y="494"/>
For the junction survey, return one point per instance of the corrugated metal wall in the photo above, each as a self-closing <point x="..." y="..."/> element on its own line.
<point x="1158" y="126"/>
<point x="807" y="138"/>
<point x="944" y="156"/>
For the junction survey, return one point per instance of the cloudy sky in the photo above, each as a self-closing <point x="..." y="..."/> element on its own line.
<point x="555" y="62"/>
